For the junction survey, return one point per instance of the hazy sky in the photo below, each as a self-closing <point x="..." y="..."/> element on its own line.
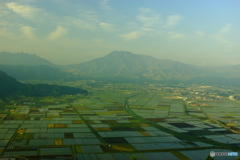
<point x="73" y="31"/>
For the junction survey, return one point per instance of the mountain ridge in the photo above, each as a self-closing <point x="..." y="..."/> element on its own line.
<point x="7" y="58"/>
<point x="128" y="65"/>
<point x="122" y="63"/>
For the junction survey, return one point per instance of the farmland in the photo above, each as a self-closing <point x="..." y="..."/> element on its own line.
<point x="119" y="121"/>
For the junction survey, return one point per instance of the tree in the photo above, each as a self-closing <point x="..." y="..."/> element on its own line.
<point x="209" y="157"/>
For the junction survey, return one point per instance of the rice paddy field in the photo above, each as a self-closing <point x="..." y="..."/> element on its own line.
<point x="227" y="112"/>
<point x="113" y="124"/>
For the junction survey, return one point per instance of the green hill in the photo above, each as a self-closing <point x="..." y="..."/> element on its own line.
<point x="39" y="72"/>
<point x="8" y="85"/>
<point x="11" y="87"/>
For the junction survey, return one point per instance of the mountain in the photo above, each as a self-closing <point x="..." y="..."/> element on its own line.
<point x="127" y="64"/>
<point x="232" y="71"/>
<point x="7" y="58"/>
<point x="40" y="72"/>
<point x="123" y="66"/>
<point x="11" y="87"/>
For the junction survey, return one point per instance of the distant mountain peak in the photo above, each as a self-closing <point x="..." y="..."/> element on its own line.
<point x="118" y="53"/>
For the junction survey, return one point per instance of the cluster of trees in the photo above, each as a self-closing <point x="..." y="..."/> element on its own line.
<point x="237" y="97"/>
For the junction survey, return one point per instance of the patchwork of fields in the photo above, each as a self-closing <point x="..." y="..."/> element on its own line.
<point x="106" y="125"/>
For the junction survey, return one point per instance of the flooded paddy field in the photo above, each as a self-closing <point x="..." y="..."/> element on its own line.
<point x="106" y="125"/>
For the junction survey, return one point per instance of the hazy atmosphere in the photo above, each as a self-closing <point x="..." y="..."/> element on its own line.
<point x="197" y="32"/>
<point x="120" y="79"/>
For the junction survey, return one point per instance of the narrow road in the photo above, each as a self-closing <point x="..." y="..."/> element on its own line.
<point x="216" y="121"/>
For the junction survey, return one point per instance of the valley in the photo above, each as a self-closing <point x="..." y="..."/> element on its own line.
<point x="123" y="121"/>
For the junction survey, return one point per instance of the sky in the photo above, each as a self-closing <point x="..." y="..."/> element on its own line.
<point x="199" y="32"/>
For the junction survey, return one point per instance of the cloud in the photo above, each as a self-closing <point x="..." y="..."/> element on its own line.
<point x="200" y="33"/>
<point x="151" y="19"/>
<point x="146" y="29"/>
<point x="172" y="20"/>
<point x="4" y="11"/>
<point x="3" y="32"/>
<point x="9" y="24"/>
<point x="28" y="1"/>
<point x="25" y="11"/>
<point x="107" y="26"/>
<point x="97" y="40"/>
<point x="148" y="17"/>
<point x="132" y="25"/>
<point x="84" y="19"/>
<point x="27" y="32"/>
<point x="81" y="23"/>
<point x="131" y="35"/>
<point x="219" y="38"/>
<point x="145" y="10"/>
<point x="6" y="33"/>
<point x="58" y="33"/>
<point x="173" y="35"/>
<point x="226" y="29"/>
<point x="221" y="34"/>
<point x="89" y="15"/>
<point x="104" y="5"/>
